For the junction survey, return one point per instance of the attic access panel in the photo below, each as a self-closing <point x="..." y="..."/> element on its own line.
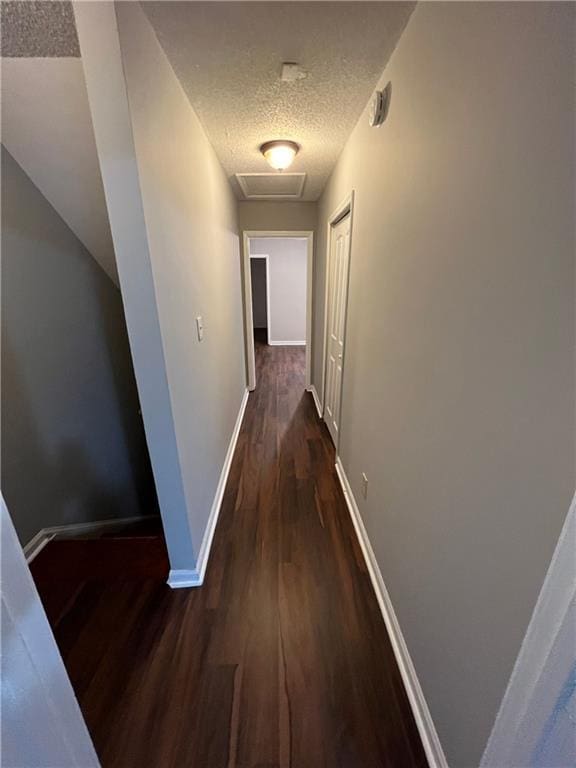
<point x="266" y="186"/>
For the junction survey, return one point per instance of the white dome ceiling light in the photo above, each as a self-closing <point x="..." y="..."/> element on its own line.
<point x="280" y="154"/>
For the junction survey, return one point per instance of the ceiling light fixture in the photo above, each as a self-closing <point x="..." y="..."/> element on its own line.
<point x="279" y="154"/>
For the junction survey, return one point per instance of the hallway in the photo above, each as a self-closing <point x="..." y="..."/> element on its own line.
<point x="281" y="658"/>
<point x="232" y="580"/>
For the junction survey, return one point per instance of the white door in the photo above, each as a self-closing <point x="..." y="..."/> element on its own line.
<point x="337" y="295"/>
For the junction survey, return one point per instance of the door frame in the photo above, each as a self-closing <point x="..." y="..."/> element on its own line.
<point x="345" y="207"/>
<point x="267" y="266"/>
<point x="248" y="235"/>
<point x="40" y="667"/>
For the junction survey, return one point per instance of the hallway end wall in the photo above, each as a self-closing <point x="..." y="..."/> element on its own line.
<point x="287" y="283"/>
<point x="458" y="392"/>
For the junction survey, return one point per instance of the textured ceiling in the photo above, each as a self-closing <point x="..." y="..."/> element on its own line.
<point x="228" y="57"/>
<point x="43" y="29"/>
<point x="47" y="128"/>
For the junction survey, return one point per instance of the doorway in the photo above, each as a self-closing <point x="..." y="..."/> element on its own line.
<point x="339" y="230"/>
<point x="277" y="268"/>
<point x="260" y="292"/>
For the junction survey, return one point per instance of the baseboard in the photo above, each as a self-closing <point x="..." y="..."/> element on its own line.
<point x="317" y="403"/>
<point x="195" y="577"/>
<point x="428" y="734"/>
<point x="178" y="579"/>
<point x="38" y="542"/>
<point x="287" y="343"/>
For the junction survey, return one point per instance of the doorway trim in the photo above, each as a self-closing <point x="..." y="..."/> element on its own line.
<point x="343" y="209"/>
<point x="248" y="235"/>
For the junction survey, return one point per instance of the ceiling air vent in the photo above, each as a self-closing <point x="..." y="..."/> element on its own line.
<point x="265" y="186"/>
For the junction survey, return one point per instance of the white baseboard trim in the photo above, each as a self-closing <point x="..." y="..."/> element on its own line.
<point x="38" y="542"/>
<point x="428" y="734"/>
<point x="287" y="343"/>
<point x="181" y="578"/>
<point x="195" y="578"/>
<point x="317" y="403"/>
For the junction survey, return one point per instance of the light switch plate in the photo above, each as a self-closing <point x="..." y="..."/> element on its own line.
<point x="200" y="327"/>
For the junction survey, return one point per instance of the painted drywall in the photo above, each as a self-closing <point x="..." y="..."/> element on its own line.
<point x="187" y="219"/>
<point x="259" y="300"/>
<point x="275" y="216"/>
<point x="287" y="261"/>
<point x="191" y="221"/>
<point x="47" y="129"/>
<point x="106" y="87"/>
<point x="35" y="686"/>
<point x="73" y="447"/>
<point x="458" y="393"/>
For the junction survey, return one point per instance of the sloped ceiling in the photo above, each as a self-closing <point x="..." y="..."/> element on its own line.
<point x="47" y="128"/>
<point x="228" y="57"/>
<point x="46" y="122"/>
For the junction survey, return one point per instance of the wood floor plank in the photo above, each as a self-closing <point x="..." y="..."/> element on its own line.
<point x="281" y="659"/>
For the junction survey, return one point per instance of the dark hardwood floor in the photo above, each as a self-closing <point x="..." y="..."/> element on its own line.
<point x="281" y="659"/>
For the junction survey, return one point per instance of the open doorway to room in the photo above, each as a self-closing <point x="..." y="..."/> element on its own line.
<point x="277" y="294"/>
<point x="259" y="273"/>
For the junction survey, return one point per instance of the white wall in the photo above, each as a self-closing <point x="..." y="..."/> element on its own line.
<point x="287" y="264"/>
<point x="183" y="206"/>
<point x="458" y="394"/>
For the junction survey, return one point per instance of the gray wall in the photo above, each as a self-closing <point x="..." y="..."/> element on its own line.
<point x="287" y="265"/>
<point x="259" y="299"/>
<point x="459" y="390"/>
<point x="73" y="447"/>
<point x="192" y="228"/>
<point x="104" y="72"/>
<point x="175" y="230"/>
